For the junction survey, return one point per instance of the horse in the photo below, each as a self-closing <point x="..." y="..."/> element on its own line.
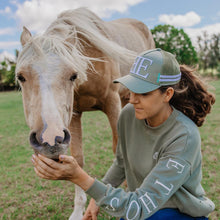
<point x="68" y="70"/>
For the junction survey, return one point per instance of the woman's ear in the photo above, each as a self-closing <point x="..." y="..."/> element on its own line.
<point x="168" y="94"/>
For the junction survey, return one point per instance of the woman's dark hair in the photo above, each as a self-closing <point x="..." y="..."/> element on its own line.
<point x="191" y="96"/>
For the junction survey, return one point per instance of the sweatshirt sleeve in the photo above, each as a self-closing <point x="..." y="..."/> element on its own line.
<point x="116" y="173"/>
<point x="163" y="181"/>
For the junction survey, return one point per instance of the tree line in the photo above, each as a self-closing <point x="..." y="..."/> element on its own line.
<point x="206" y="55"/>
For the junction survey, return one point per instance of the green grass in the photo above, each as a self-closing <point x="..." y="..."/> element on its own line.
<point x="211" y="152"/>
<point x="25" y="196"/>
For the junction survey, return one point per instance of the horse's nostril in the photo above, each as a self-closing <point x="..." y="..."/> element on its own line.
<point x="59" y="140"/>
<point x="33" y="139"/>
<point x="63" y="140"/>
<point x="66" y="139"/>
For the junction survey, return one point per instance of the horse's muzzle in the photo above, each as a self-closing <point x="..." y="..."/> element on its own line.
<point x="53" y="152"/>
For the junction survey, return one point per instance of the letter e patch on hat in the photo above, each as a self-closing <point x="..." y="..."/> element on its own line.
<point x="140" y="66"/>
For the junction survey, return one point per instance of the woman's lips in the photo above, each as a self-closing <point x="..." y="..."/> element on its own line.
<point x="138" y="109"/>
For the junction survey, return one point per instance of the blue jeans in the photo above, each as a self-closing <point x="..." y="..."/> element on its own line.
<point x="172" y="214"/>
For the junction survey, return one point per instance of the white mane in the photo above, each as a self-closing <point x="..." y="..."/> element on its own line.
<point x="61" y="38"/>
<point x="82" y="21"/>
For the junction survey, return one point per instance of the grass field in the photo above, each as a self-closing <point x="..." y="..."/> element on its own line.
<point x="24" y="196"/>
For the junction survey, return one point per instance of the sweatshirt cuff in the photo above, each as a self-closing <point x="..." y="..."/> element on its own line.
<point x="97" y="191"/>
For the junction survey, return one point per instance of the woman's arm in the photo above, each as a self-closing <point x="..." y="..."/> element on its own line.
<point x="164" y="180"/>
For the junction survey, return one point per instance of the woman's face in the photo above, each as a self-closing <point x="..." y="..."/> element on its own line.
<point x="152" y="106"/>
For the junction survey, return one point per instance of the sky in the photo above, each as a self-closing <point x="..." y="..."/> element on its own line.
<point x="194" y="16"/>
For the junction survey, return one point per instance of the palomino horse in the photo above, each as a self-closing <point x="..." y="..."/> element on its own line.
<point x="68" y="70"/>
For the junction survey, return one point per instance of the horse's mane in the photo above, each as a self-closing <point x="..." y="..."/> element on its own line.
<point x="61" y="38"/>
<point x="72" y="23"/>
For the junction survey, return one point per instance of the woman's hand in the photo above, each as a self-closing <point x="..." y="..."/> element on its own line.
<point x="66" y="169"/>
<point x="92" y="211"/>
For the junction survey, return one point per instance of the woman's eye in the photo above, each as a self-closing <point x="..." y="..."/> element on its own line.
<point x="21" y="78"/>
<point x="73" y="77"/>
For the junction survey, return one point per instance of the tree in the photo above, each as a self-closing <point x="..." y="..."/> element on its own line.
<point x="177" y="42"/>
<point x="7" y="75"/>
<point x="214" y="51"/>
<point x="209" y="51"/>
<point x="204" y="50"/>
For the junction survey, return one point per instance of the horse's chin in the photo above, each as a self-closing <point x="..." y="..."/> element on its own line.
<point x="51" y="152"/>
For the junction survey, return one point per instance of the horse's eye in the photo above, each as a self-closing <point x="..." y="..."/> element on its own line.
<point x="21" y="78"/>
<point x="73" y="77"/>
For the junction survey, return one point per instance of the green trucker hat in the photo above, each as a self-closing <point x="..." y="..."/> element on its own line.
<point x="151" y="70"/>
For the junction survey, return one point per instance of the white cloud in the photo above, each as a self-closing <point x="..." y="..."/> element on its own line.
<point x="7" y="10"/>
<point x="6" y="31"/>
<point x="38" y="14"/>
<point x="6" y="45"/>
<point x="194" y="32"/>
<point x="187" y="20"/>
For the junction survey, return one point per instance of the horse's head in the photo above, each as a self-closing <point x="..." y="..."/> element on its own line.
<point x="48" y="75"/>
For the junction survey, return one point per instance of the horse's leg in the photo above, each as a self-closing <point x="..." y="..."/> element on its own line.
<point x="77" y="152"/>
<point x="112" y="109"/>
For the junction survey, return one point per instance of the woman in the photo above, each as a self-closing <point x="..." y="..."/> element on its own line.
<point x="159" y="147"/>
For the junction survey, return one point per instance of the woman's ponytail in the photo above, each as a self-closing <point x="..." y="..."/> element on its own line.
<point x="191" y="96"/>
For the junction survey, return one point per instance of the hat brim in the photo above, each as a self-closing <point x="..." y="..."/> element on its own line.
<point x="136" y="85"/>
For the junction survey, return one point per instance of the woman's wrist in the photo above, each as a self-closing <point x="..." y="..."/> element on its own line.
<point x="83" y="180"/>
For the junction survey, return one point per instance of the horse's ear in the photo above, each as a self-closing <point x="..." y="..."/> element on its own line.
<point x="25" y="36"/>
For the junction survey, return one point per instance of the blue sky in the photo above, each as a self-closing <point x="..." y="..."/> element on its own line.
<point x="194" y="16"/>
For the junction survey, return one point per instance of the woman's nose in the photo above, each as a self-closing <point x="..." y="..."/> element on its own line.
<point x="133" y="98"/>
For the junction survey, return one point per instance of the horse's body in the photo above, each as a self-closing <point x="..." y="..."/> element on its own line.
<point x="68" y="70"/>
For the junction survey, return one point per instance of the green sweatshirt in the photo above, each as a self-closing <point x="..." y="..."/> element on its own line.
<point x="162" y="166"/>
